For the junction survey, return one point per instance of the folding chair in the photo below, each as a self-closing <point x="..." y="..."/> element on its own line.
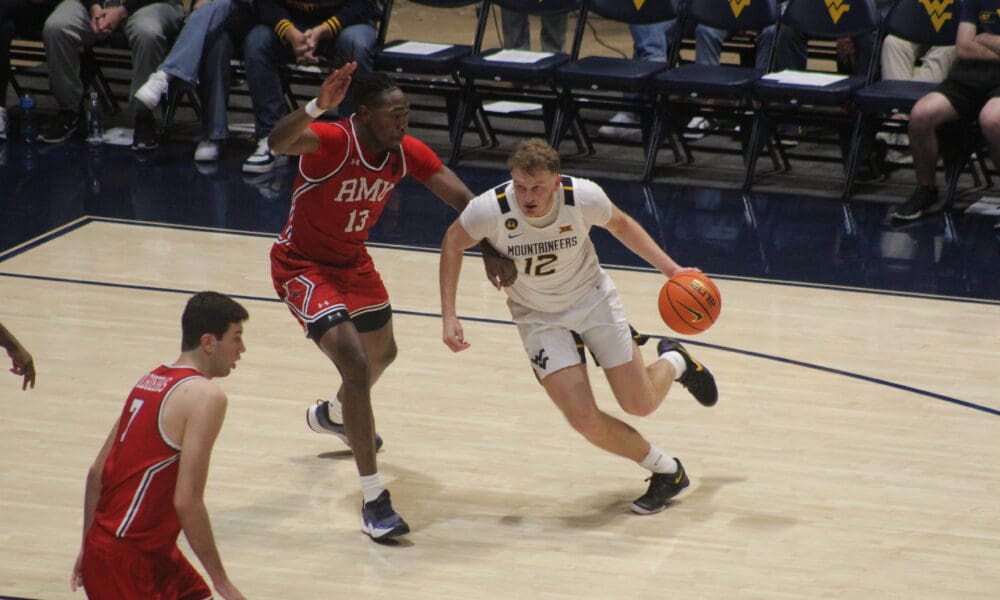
<point x="607" y="83"/>
<point x="807" y="102"/>
<point x="694" y="89"/>
<point x="879" y="102"/>
<point x="431" y="70"/>
<point x="494" y="75"/>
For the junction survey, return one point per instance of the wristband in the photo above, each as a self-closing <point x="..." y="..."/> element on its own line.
<point x="314" y="111"/>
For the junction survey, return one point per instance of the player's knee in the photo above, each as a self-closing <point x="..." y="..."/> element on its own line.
<point x="643" y="407"/>
<point x="386" y="354"/>
<point x="588" y="424"/>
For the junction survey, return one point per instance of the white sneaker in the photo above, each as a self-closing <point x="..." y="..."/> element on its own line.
<point x="262" y="160"/>
<point x="3" y="123"/>
<point x="698" y="124"/>
<point x="207" y="151"/>
<point x="622" y="133"/>
<point x="153" y="90"/>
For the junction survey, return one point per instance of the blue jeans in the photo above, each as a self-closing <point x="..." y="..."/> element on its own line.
<point x="649" y="42"/>
<point x="184" y="59"/>
<point x="264" y="54"/>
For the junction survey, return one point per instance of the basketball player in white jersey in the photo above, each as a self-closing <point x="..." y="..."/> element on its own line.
<point x="562" y="296"/>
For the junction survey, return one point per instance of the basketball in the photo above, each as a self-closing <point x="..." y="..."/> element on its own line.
<point x="689" y="303"/>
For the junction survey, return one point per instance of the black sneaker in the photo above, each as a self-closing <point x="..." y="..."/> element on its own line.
<point x="144" y="134"/>
<point x="916" y="206"/>
<point x="380" y="521"/>
<point x="662" y="487"/>
<point x="696" y="378"/>
<point x="318" y="419"/>
<point x="60" y="128"/>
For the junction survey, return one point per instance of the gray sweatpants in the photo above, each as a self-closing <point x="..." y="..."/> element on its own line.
<point x="150" y="32"/>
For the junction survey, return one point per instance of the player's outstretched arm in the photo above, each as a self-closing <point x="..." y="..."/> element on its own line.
<point x="204" y="405"/>
<point x="455" y="241"/>
<point x="292" y="134"/>
<point x="500" y="270"/>
<point x="627" y="231"/>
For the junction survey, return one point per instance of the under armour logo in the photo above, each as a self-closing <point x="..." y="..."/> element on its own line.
<point x="540" y="359"/>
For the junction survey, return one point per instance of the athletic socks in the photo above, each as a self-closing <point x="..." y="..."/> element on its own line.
<point x="658" y="462"/>
<point x="371" y="487"/>
<point x="674" y="358"/>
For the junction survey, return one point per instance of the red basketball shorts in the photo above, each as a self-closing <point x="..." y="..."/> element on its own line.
<point x="312" y="290"/>
<point x="113" y="570"/>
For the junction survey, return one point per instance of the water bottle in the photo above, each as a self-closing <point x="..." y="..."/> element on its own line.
<point x="95" y="120"/>
<point x="29" y="129"/>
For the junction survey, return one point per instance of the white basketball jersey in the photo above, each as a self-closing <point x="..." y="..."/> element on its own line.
<point x="557" y="264"/>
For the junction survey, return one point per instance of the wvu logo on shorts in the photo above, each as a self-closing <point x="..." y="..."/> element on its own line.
<point x="938" y="11"/>
<point x="837" y="8"/>
<point x="540" y="359"/>
<point x="737" y="6"/>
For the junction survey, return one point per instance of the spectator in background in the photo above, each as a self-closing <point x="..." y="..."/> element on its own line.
<point x="149" y="26"/>
<point x="904" y="60"/>
<point x="304" y="32"/>
<point x="18" y="18"/>
<point x="199" y="54"/>
<point x="970" y="91"/>
<point x="21" y="362"/>
<point x="517" y="31"/>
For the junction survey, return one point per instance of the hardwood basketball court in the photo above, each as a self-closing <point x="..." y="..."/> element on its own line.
<point x="853" y="452"/>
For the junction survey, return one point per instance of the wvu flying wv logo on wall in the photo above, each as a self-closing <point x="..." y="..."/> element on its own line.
<point x="837" y="8"/>
<point x="938" y="11"/>
<point x="737" y="6"/>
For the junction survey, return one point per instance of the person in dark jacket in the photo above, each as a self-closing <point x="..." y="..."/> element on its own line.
<point x="307" y="32"/>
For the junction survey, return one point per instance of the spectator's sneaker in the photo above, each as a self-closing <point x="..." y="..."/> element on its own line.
<point x="153" y="90"/>
<point x="262" y="160"/>
<point x="696" y="127"/>
<point x="318" y="419"/>
<point x="380" y="521"/>
<point x="207" y="151"/>
<point x="662" y="487"/>
<point x="144" y="133"/>
<point x="696" y="378"/>
<point x="60" y="128"/>
<point x="917" y="204"/>
<point x="3" y="123"/>
<point x="621" y="133"/>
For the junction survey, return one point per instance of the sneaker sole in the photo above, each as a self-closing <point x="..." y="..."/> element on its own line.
<point x="258" y="168"/>
<point x="313" y="421"/>
<point x="381" y="536"/>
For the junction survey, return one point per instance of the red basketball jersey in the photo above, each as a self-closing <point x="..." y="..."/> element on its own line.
<point x="341" y="189"/>
<point x="137" y="484"/>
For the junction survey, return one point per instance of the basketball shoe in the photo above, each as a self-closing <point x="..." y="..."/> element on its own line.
<point x="380" y="521"/>
<point x="662" y="487"/>
<point x="318" y="419"/>
<point x="696" y="378"/>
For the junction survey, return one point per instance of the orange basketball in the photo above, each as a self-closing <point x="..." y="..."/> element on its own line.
<point x="689" y="303"/>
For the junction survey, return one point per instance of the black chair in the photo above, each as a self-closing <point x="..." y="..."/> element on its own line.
<point x="607" y="83"/>
<point x="881" y="101"/>
<point x="434" y="74"/>
<point x="486" y="76"/>
<point x="814" y="103"/>
<point x="712" y="90"/>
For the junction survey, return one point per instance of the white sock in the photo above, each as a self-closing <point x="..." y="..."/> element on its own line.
<point x="658" y="462"/>
<point x="333" y="410"/>
<point x="680" y="365"/>
<point x="371" y="487"/>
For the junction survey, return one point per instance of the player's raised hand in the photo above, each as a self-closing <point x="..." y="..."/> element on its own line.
<point x="335" y="87"/>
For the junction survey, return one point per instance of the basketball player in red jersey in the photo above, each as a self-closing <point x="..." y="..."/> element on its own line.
<point x="321" y="268"/>
<point x="148" y="481"/>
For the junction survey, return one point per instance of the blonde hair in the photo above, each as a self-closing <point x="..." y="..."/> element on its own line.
<point x="533" y="155"/>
